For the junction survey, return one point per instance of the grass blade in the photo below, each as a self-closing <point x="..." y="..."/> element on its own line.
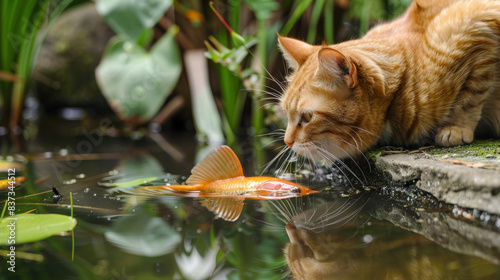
<point x="313" y="24"/>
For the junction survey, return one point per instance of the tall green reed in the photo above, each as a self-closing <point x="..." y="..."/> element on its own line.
<point x="20" y="41"/>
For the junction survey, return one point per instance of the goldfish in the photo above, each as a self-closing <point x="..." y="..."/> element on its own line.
<point x="220" y="180"/>
<point x="15" y="182"/>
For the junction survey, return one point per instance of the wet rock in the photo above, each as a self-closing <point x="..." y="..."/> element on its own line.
<point x="64" y="72"/>
<point x="465" y="179"/>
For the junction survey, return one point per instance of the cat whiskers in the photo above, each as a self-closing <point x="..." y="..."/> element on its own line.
<point x="360" y="152"/>
<point x="356" y="147"/>
<point x="284" y="211"/>
<point x="333" y="160"/>
<point x="276" y="158"/>
<point x="335" y="216"/>
<point x="285" y="152"/>
<point x="338" y="217"/>
<point x="322" y="151"/>
<point x="271" y="78"/>
<point x="318" y="218"/>
<point x="278" y="135"/>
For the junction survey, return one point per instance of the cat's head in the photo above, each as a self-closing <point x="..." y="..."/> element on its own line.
<point x="330" y="106"/>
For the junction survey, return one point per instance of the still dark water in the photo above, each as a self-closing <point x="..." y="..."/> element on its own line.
<point x="390" y="232"/>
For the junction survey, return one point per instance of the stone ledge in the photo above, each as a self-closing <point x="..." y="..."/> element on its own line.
<point x="465" y="186"/>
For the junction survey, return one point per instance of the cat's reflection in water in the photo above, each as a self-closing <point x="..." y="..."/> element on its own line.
<point x="320" y="237"/>
<point x="338" y="241"/>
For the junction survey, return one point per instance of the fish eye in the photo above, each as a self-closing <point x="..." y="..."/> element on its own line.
<point x="295" y="190"/>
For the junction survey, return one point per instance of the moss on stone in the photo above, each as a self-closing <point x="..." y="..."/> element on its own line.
<point x="480" y="148"/>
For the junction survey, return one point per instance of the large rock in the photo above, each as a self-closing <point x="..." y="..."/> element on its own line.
<point x="64" y="72"/>
<point x="467" y="176"/>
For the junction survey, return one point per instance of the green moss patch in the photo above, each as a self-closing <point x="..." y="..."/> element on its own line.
<point x="482" y="149"/>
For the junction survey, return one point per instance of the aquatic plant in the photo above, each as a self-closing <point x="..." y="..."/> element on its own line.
<point x="135" y="81"/>
<point x="33" y="227"/>
<point x="246" y="55"/>
<point x="20" y="40"/>
<point x="367" y="12"/>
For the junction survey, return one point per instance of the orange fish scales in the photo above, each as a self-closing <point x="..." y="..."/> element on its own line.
<point x="236" y="186"/>
<point x="219" y="179"/>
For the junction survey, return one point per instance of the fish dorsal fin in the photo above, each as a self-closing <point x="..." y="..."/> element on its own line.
<point x="221" y="164"/>
<point x="226" y="208"/>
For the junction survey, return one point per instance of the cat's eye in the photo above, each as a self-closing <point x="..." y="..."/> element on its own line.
<point x="306" y="117"/>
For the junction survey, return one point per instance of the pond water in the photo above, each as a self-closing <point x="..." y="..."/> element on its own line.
<point x="388" y="232"/>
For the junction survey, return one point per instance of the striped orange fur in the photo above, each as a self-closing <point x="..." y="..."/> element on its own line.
<point x="434" y="72"/>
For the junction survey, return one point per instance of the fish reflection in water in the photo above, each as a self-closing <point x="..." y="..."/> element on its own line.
<point x="340" y="241"/>
<point x="219" y="180"/>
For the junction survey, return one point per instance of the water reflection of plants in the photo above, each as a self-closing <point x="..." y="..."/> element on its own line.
<point x="168" y="234"/>
<point x="165" y="237"/>
<point x="199" y="246"/>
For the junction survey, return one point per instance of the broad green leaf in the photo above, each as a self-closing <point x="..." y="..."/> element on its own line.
<point x="145" y="38"/>
<point x="143" y="235"/>
<point x="131" y="17"/>
<point x="136" y="82"/>
<point x="33" y="227"/>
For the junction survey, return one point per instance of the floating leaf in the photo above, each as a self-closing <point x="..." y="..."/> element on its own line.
<point x="135" y="82"/>
<point x="33" y="227"/>
<point x="131" y="17"/>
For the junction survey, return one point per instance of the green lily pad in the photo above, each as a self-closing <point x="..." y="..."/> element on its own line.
<point x="25" y="228"/>
<point x="131" y="17"/>
<point x="136" y="82"/>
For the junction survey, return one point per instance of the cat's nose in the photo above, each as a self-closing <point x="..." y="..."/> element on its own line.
<point x="289" y="136"/>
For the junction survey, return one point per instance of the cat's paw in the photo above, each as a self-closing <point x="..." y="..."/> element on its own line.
<point x="454" y="136"/>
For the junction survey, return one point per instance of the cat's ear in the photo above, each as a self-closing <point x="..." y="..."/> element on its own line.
<point x="294" y="51"/>
<point x="334" y="65"/>
<point x="424" y="3"/>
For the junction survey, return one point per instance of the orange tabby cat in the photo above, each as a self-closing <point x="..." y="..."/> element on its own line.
<point x="434" y="71"/>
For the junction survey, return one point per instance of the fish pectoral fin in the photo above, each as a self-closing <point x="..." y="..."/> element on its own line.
<point x="227" y="208"/>
<point x="221" y="164"/>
